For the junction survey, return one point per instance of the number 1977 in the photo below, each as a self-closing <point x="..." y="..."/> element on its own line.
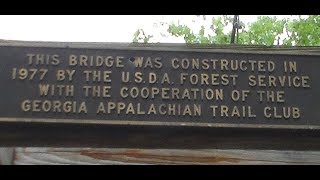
<point x="30" y="74"/>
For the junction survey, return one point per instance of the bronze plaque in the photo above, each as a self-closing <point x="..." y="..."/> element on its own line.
<point x="165" y="86"/>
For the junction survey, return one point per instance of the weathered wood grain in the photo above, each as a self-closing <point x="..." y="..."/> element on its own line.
<point x="118" y="156"/>
<point x="6" y="156"/>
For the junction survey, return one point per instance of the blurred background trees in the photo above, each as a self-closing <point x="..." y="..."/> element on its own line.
<point x="266" y="30"/>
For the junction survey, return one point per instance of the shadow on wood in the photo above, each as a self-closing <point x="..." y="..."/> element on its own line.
<point x="171" y="137"/>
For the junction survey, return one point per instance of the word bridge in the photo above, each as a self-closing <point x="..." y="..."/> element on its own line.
<point x="164" y="86"/>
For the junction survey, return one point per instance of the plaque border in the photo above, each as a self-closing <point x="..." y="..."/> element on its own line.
<point x="155" y="123"/>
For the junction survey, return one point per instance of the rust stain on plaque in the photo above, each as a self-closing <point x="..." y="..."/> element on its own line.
<point x="143" y="156"/>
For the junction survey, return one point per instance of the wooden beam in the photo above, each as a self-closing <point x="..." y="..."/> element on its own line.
<point x="93" y="156"/>
<point x="6" y="156"/>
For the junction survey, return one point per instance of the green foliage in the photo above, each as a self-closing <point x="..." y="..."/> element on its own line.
<point x="184" y="31"/>
<point x="217" y="27"/>
<point x="137" y="36"/>
<point x="264" y="31"/>
<point x="304" y="32"/>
